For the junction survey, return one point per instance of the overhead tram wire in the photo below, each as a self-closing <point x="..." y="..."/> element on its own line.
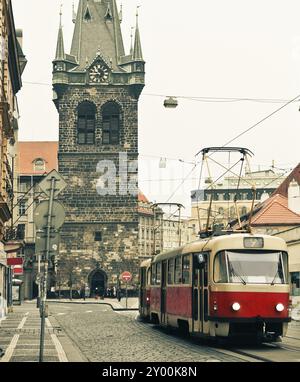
<point x="197" y="98"/>
<point x="262" y="120"/>
<point x="238" y="136"/>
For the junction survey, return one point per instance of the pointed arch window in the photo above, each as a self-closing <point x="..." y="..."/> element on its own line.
<point x="86" y="123"/>
<point x="111" y="124"/>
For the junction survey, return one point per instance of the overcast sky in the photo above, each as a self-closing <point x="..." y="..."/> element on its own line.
<point x="193" y="48"/>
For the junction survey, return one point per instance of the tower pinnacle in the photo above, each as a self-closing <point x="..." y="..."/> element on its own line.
<point x="60" y="50"/>
<point x="137" y="52"/>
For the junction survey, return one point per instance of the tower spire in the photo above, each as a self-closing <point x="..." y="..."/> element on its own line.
<point x="60" y="50"/>
<point x="137" y="52"/>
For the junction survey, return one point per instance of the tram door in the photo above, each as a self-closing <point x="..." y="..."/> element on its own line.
<point x="143" y="280"/>
<point x="163" y="299"/>
<point x="200" y="293"/>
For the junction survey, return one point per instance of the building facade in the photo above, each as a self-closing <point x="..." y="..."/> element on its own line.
<point x="12" y="64"/>
<point x="35" y="159"/>
<point x="150" y="228"/>
<point x="223" y="194"/>
<point x="97" y="88"/>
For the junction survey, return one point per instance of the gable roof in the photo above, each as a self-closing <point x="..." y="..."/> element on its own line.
<point x="275" y="211"/>
<point x="283" y="188"/>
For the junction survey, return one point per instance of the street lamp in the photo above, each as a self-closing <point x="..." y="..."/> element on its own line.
<point x="170" y="103"/>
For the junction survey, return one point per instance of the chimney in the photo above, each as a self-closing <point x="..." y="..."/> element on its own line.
<point x="294" y="197"/>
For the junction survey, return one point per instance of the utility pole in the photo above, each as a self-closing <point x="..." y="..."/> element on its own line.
<point x="48" y="217"/>
<point x="44" y="288"/>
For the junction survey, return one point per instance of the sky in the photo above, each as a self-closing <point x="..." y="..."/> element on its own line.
<point x="193" y="49"/>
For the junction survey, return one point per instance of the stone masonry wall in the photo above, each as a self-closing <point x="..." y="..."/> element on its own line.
<point x="87" y="212"/>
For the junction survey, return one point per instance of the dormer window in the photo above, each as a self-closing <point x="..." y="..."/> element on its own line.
<point x="87" y="15"/>
<point x="39" y="165"/>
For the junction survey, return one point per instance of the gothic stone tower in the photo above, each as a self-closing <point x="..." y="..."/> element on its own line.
<point x="96" y="92"/>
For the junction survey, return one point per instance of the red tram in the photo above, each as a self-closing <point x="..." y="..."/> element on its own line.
<point x="225" y="286"/>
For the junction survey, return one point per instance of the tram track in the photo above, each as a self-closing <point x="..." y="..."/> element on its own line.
<point x="272" y="352"/>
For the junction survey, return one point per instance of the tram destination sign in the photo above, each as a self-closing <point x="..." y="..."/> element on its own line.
<point x="126" y="276"/>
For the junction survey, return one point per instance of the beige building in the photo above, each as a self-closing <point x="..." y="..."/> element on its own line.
<point x="176" y="233"/>
<point x="12" y="64"/>
<point x="150" y="228"/>
<point x="223" y="194"/>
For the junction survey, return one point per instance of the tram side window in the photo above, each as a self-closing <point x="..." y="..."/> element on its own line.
<point x="171" y="271"/>
<point x="153" y="274"/>
<point x="186" y="269"/>
<point x="148" y="282"/>
<point x="158" y="273"/>
<point x="178" y="270"/>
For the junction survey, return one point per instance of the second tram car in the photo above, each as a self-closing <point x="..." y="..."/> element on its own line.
<point x="225" y="286"/>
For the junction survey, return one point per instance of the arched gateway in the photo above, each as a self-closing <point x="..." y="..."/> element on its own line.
<point x="97" y="282"/>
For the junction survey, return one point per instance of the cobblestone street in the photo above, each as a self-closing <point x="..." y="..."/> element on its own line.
<point x="100" y="331"/>
<point x="107" y="336"/>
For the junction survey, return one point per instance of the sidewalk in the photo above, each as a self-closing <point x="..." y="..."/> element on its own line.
<point x="132" y="303"/>
<point x="20" y="338"/>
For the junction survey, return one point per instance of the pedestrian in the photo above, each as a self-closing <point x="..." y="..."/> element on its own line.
<point x="82" y="292"/>
<point x="114" y="292"/>
<point x="119" y="295"/>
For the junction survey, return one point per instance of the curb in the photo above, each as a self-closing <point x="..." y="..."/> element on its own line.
<point x="94" y="303"/>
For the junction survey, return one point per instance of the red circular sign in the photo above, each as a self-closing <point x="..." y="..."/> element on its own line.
<point x="126" y="276"/>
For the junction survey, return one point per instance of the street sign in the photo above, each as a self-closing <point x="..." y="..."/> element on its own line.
<point x="60" y="184"/>
<point x="40" y="215"/>
<point x="17" y="270"/>
<point x="126" y="276"/>
<point x="41" y="239"/>
<point x="14" y="261"/>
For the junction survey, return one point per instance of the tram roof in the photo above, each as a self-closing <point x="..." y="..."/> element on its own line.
<point x="221" y="243"/>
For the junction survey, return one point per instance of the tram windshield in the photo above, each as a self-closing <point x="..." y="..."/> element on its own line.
<point x="251" y="268"/>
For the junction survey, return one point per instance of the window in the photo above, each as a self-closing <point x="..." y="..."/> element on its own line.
<point x="98" y="236"/>
<point x="21" y="231"/>
<point x="39" y="165"/>
<point x="22" y="207"/>
<point x="295" y="281"/>
<point x="111" y="124"/>
<point x="158" y="273"/>
<point x="186" y="269"/>
<point x="178" y="270"/>
<point x="255" y="267"/>
<point x="153" y="274"/>
<point x="86" y="123"/>
<point x="171" y="271"/>
<point x="221" y="211"/>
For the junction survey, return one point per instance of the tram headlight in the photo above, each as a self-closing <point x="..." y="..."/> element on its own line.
<point x="236" y="306"/>
<point x="279" y="307"/>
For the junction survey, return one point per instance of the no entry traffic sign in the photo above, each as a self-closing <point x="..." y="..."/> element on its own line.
<point x="126" y="276"/>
